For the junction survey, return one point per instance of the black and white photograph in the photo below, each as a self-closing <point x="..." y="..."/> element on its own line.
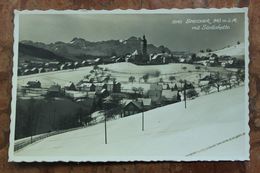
<point x="130" y="85"/>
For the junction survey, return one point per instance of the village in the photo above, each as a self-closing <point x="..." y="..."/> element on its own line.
<point x="205" y="57"/>
<point x="103" y="92"/>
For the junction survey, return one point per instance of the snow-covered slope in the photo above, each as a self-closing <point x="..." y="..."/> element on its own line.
<point x="171" y="132"/>
<point x="121" y="71"/>
<point x="237" y="50"/>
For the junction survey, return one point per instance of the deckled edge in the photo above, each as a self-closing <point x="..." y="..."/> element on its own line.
<point x="14" y="86"/>
<point x="247" y="111"/>
<point x="12" y="158"/>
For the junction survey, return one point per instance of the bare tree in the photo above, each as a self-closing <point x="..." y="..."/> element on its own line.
<point x="172" y="78"/>
<point x="146" y="77"/>
<point x="216" y="81"/>
<point x="140" y="90"/>
<point x="131" y="79"/>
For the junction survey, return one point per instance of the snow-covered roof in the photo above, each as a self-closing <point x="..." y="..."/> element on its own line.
<point x="157" y="56"/>
<point x="103" y="90"/>
<point x="145" y="101"/>
<point x="136" y="103"/>
<point x="96" y="60"/>
<point x="169" y="93"/>
<point x="68" y="84"/>
<point x="135" y="52"/>
<point x="86" y="84"/>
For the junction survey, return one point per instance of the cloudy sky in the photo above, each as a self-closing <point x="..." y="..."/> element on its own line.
<point x="158" y="28"/>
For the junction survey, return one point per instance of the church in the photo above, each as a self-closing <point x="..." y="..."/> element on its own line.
<point x="143" y="56"/>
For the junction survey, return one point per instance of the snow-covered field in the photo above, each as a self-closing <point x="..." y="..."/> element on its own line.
<point x="121" y="71"/>
<point x="213" y="127"/>
<point x="237" y="50"/>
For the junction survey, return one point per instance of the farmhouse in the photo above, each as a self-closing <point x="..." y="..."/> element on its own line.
<point x="146" y="102"/>
<point x="70" y="86"/>
<point x="87" y="87"/>
<point x="132" y="107"/>
<point x="75" y="94"/>
<point x="116" y="87"/>
<point x="33" y="84"/>
<point x="54" y="91"/>
<point x="155" y="93"/>
<point x="169" y="96"/>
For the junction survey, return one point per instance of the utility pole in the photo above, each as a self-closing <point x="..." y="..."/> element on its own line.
<point x="185" y="84"/>
<point x="142" y="120"/>
<point x="105" y="128"/>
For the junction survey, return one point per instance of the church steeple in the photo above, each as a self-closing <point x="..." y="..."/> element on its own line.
<point x="144" y="45"/>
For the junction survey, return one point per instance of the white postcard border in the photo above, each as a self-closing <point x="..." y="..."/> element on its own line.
<point x="13" y="158"/>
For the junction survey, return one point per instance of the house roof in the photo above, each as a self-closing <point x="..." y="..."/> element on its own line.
<point x="103" y="90"/>
<point x="145" y="101"/>
<point x="159" y="55"/>
<point x="33" y="82"/>
<point x="69" y="84"/>
<point x="126" y="102"/>
<point x="86" y="85"/>
<point x="169" y="94"/>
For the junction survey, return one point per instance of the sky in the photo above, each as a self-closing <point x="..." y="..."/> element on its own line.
<point x="159" y="29"/>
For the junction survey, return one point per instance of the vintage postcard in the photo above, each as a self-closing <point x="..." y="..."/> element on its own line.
<point x="130" y="85"/>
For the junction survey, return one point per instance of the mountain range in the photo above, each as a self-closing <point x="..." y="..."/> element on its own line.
<point x="81" y="49"/>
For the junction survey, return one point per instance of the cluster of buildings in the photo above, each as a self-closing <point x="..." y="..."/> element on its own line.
<point x="213" y="60"/>
<point x="133" y="97"/>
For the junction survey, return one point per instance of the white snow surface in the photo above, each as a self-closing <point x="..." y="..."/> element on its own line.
<point x="237" y="50"/>
<point x="171" y="133"/>
<point x="121" y="71"/>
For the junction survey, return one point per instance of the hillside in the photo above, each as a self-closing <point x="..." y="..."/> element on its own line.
<point x="121" y="71"/>
<point x="171" y="132"/>
<point x="237" y="51"/>
<point x="29" y="52"/>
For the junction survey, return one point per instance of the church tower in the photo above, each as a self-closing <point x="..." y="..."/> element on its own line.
<point x="144" y="45"/>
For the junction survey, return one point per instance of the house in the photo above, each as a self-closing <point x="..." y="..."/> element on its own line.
<point x="42" y="70"/>
<point x="70" y="86"/>
<point x="160" y="58"/>
<point x="104" y="92"/>
<point x="76" y="64"/>
<point x="91" y="94"/>
<point x="33" y="84"/>
<point x="84" y="63"/>
<point x="34" y="70"/>
<point x="100" y="86"/>
<point x="87" y="87"/>
<point x="62" y="67"/>
<point x="132" y="107"/>
<point x="170" y="96"/>
<point x="27" y="72"/>
<point x="116" y="87"/>
<point x="54" y="91"/>
<point x="146" y="102"/>
<point x="76" y="95"/>
<point x="173" y="86"/>
<point x="155" y="93"/>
